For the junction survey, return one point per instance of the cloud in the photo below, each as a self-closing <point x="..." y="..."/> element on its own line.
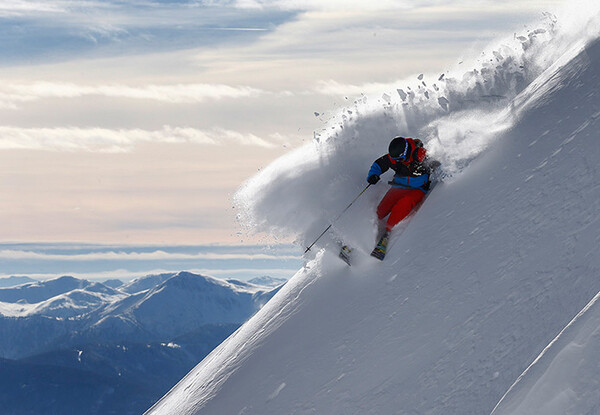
<point x="398" y="34"/>
<point x="126" y="275"/>
<point x="380" y="5"/>
<point x="14" y="8"/>
<point x="91" y="261"/>
<point x="11" y="95"/>
<point x="332" y="87"/>
<point x="179" y="53"/>
<point x="117" y="140"/>
<point x="157" y="255"/>
<point x="330" y="5"/>
<point x="38" y="31"/>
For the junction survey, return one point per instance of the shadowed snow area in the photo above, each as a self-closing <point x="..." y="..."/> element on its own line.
<point x="495" y="264"/>
<point x="564" y="378"/>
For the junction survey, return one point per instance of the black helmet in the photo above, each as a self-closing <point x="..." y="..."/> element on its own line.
<point x="398" y="148"/>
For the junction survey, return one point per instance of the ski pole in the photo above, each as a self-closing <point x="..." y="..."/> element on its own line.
<point x="337" y="217"/>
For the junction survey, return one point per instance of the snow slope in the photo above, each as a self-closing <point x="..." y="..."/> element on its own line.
<point x="496" y="263"/>
<point x="564" y="379"/>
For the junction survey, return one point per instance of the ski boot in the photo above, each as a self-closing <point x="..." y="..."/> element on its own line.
<point x="381" y="247"/>
<point x="345" y="252"/>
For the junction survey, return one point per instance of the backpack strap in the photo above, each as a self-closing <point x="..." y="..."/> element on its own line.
<point x="412" y="146"/>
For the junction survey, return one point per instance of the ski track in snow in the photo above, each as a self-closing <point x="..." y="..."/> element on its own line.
<point x="495" y="264"/>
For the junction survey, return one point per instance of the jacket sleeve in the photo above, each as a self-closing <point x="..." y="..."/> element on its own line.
<point x="379" y="166"/>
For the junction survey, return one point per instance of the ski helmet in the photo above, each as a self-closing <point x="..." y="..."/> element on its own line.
<point x="398" y="148"/>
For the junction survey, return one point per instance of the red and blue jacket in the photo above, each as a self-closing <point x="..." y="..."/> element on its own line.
<point x="409" y="174"/>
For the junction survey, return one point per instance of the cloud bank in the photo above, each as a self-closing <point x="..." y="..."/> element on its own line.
<point x="106" y="140"/>
<point x="10" y="95"/>
<point x="157" y="255"/>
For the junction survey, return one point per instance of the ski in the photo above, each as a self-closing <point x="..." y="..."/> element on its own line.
<point x="344" y="254"/>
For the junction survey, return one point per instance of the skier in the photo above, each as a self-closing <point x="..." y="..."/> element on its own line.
<point x="407" y="157"/>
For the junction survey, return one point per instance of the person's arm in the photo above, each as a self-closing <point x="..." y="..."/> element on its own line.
<point x="379" y="166"/>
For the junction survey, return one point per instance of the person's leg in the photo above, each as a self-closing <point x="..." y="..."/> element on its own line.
<point x="389" y="200"/>
<point x="407" y="201"/>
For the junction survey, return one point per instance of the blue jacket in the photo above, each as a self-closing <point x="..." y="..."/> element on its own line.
<point x="412" y="175"/>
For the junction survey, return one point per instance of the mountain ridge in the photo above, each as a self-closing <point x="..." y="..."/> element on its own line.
<point x="496" y="262"/>
<point x="71" y="310"/>
<point x="96" y="349"/>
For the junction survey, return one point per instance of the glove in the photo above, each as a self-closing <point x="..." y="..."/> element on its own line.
<point x="373" y="179"/>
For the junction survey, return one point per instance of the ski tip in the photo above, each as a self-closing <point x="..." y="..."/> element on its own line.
<point x="377" y="254"/>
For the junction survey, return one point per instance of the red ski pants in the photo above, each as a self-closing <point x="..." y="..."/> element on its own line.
<point x="398" y="203"/>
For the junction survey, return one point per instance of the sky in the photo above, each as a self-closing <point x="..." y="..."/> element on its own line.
<point x="135" y="122"/>
<point x="103" y="262"/>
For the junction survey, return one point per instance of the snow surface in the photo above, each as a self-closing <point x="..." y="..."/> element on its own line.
<point x="564" y="379"/>
<point x="496" y="263"/>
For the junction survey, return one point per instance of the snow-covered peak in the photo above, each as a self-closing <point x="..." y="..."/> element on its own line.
<point x="14" y="281"/>
<point x="208" y="299"/>
<point x="145" y="283"/>
<point x="180" y="305"/>
<point x="75" y="302"/>
<point x="60" y="298"/>
<point x="195" y="282"/>
<point x="36" y="292"/>
<point x="184" y="302"/>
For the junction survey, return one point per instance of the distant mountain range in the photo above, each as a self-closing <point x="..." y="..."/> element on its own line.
<point x="113" y="348"/>
<point x="12" y="281"/>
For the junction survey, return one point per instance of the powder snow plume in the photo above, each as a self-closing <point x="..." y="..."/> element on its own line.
<point x="457" y="113"/>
